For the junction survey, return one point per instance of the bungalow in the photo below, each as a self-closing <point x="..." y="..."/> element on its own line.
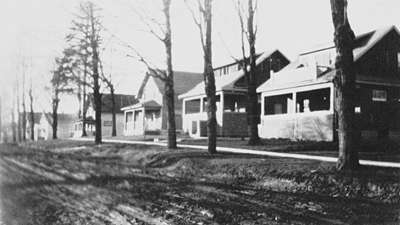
<point x="298" y="102"/>
<point x="231" y="94"/>
<point x="64" y="126"/>
<point x="149" y="116"/>
<point x="106" y="115"/>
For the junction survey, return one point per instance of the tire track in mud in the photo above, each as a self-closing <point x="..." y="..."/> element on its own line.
<point x="62" y="191"/>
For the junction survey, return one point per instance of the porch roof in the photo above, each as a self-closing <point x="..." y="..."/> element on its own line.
<point x="277" y="83"/>
<point x="222" y="83"/>
<point x="295" y="78"/>
<point x="151" y="104"/>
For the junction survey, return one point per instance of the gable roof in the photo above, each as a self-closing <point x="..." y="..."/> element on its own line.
<point x="62" y="118"/>
<point x="36" y="116"/>
<point x="183" y="81"/>
<point x="121" y="101"/>
<point x="363" y="42"/>
<point x="293" y="75"/>
<point x="227" y="82"/>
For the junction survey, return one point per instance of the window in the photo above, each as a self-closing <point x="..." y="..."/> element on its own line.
<point x="129" y="116"/>
<point x="315" y="100"/>
<point x="379" y="95"/>
<point x="192" y="106"/>
<point x="279" y="104"/>
<point x="235" y="103"/>
<point x="107" y="123"/>
<point x="398" y="59"/>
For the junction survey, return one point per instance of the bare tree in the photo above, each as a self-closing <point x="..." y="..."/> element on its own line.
<point x="19" y="125"/>
<point x="203" y="20"/>
<point x="60" y="83"/>
<point x="1" y="124"/>
<point x="108" y="82"/>
<point x="31" y="113"/>
<point x="86" y="38"/>
<point x="344" y="86"/>
<point x="164" y="34"/>
<point x="249" y="67"/>
<point x="23" y="106"/>
<point x="13" y="128"/>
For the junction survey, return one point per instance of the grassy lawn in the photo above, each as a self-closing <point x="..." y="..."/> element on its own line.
<point x="76" y="182"/>
<point x="261" y="172"/>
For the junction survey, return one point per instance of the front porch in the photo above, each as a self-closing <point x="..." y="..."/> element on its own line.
<point x="89" y="124"/>
<point x="142" y="118"/>
<point x="302" y="113"/>
<point x="231" y="115"/>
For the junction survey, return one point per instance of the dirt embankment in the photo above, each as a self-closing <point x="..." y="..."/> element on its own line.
<point x="112" y="182"/>
<point x="291" y="175"/>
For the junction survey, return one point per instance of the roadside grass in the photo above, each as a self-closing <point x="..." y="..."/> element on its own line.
<point x="257" y="172"/>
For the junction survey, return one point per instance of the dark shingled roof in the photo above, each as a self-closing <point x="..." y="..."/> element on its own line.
<point x="183" y="82"/>
<point x="36" y="116"/>
<point x="62" y="118"/>
<point x="121" y="101"/>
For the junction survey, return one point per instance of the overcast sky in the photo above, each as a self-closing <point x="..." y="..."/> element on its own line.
<point x="33" y="33"/>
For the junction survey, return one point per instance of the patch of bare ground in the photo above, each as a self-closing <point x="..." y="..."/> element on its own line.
<point x="66" y="182"/>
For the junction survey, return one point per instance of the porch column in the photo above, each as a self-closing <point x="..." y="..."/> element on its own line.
<point x="183" y="115"/>
<point x="201" y="104"/>
<point x="332" y="94"/>
<point x="294" y="112"/>
<point x="143" y="121"/>
<point x="125" y="122"/>
<point x="294" y="102"/>
<point x="221" y="107"/>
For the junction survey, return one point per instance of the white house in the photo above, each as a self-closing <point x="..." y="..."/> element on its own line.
<point x="106" y="115"/>
<point x="149" y="115"/>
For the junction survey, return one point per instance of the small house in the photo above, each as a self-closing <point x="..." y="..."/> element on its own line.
<point x="36" y="123"/>
<point x="121" y="101"/>
<point x="149" y="115"/>
<point x="298" y="102"/>
<point x="64" y="126"/>
<point x="231" y="97"/>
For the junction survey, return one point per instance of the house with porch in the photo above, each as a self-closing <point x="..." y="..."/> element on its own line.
<point x="231" y="97"/>
<point x="121" y="101"/>
<point x="149" y="115"/>
<point x="298" y="102"/>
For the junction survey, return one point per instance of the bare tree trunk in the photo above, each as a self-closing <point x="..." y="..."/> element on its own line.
<point x="114" y="121"/>
<point x="55" y="116"/>
<point x="32" y="115"/>
<point x="19" y="132"/>
<point x="23" y="110"/>
<point x="169" y="82"/>
<point x="344" y="86"/>
<point x="252" y="112"/>
<point x="84" y="100"/>
<point x="13" y="130"/>
<point x="1" y="124"/>
<point x="95" y="70"/>
<point x="209" y="80"/>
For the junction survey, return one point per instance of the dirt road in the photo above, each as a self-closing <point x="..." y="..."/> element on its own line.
<point x="78" y="187"/>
